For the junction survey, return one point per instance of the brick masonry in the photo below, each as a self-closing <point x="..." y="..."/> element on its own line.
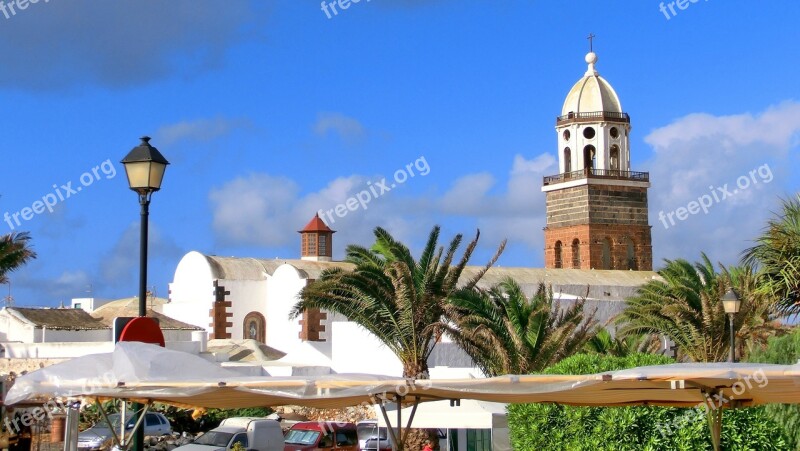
<point x="610" y="224"/>
<point x="311" y="325"/>
<point x="599" y="204"/>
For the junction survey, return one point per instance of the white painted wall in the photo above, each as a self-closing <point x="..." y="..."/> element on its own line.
<point x="283" y="288"/>
<point x="44" y="335"/>
<point x="55" y="350"/>
<point x="246" y="296"/>
<point x="192" y="291"/>
<point x="357" y="351"/>
<point x="13" y="329"/>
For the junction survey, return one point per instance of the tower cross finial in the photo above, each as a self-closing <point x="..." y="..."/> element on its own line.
<point x="591" y="41"/>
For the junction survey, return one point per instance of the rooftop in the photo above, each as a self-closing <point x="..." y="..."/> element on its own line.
<point x="57" y="318"/>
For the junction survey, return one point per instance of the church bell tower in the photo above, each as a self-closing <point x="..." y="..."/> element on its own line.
<point x="597" y="216"/>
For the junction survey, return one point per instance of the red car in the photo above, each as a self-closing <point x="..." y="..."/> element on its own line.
<point x="321" y="435"/>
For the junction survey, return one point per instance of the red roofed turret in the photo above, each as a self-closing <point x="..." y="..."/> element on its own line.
<point x="316" y="241"/>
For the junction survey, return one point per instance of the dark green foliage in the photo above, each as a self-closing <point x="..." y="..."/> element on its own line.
<point x="777" y="256"/>
<point x="398" y="299"/>
<point x="542" y="427"/>
<point x="15" y="252"/>
<point x="505" y="332"/>
<point x="686" y="307"/>
<point x="783" y="350"/>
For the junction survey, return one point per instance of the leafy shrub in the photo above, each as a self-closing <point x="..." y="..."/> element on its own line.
<point x="542" y="427"/>
<point x="783" y="350"/>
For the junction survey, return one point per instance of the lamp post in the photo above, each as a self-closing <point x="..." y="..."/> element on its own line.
<point x="145" y="167"/>
<point x="731" y="303"/>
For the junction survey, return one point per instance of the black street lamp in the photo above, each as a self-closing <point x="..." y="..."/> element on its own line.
<point x="731" y="303"/>
<point x="145" y="168"/>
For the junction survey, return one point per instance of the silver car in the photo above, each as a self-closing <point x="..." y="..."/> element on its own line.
<point x="100" y="436"/>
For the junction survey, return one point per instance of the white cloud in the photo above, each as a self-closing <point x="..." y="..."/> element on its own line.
<point x="697" y="156"/>
<point x="199" y="130"/>
<point x="261" y="209"/>
<point x="349" y="129"/>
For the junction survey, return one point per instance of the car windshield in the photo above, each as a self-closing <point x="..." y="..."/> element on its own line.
<point x="214" y="438"/>
<point x="367" y="431"/>
<point x="301" y="437"/>
<point x="114" y="420"/>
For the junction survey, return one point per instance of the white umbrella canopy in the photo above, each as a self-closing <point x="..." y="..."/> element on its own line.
<point x="144" y="372"/>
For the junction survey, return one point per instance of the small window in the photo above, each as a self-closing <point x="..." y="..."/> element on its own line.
<point x="151" y="419"/>
<point x="576" y="254"/>
<point x="567" y="135"/>
<point x="614" y="158"/>
<point x="606" y="254"/>
<point x="588" y="132"/>
<point x="567" y="160"/>
<point x="589" y="157"/>
<point x="240" y="438"/>
<point x="312" y="243"/>
<point x="557" y="250"/>
<point x="614" y="132"/>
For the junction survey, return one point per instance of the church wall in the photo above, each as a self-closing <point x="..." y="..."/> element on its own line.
<point x="245" y="296"/>
<point x="354" y="350"/>
<point x="591" y="238"/>
<point x="282" y="290"/>
<point x="191" y="294"/>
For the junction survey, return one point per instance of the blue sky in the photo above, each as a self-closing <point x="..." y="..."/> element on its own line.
<point x="270" y="111"/>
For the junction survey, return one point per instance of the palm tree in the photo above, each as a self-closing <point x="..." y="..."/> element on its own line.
<point x="618" y="346"/>
<point x="686" y="307"/>
<point x="777" y="255"/>
<point x="507" y="333"/>
<point x="14" y="253"/>
<point x="397" y="299"/>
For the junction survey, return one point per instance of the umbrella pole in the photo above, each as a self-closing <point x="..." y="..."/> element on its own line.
<point x="715" y="425"/>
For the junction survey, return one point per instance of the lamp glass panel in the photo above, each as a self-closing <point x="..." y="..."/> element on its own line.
<point x="731" y="306"/>
<point x="156" y="175"/>
<point x="138" y="174"/>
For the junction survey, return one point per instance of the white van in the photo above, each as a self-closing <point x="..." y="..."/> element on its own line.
<point x="257" y="434"/>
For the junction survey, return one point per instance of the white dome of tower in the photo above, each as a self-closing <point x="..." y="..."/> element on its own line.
<point x="592" y="93"/>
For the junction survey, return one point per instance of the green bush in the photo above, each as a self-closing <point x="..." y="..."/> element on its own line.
<point x="542" y="427"/>
<point x="783" y="350"/>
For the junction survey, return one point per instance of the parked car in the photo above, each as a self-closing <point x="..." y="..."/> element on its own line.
<point x="370" y="437"/>
<point x="100" y="436"/>
<point x="322" y="435"/>
<point x="255" y="434"/>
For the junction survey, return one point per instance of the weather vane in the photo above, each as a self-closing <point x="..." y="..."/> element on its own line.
<point x="591" y="39"/>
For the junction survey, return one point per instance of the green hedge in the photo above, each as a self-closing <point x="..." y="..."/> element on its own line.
<point x="783" y="350"/>
<point x="542" y="427"/>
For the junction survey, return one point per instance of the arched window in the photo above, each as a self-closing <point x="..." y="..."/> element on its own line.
<point x="614" y="158"/>
<point x="606" y="254"/>
<point x="589" y="157"/>
<point x="558" y="259"/>
<point x="631" y="253"/>
<point x="255" y="327"/>
<point x="567" y="160"/>
<point x="576" y="254"/>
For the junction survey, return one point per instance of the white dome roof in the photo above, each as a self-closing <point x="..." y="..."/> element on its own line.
<point x="592" y="93"/>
